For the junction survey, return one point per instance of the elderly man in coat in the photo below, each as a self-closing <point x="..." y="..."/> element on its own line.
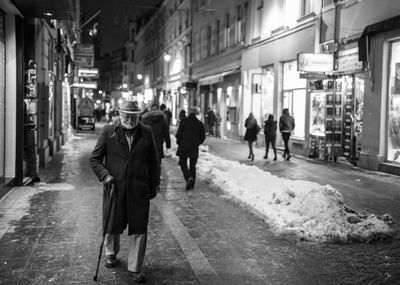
<point x="189" y="136"/>
<point x="126" y="155"/>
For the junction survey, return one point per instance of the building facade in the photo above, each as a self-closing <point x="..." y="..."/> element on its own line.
<point x="333" y="64"/>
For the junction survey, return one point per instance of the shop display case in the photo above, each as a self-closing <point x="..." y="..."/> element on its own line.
<point x="333" y="120"/>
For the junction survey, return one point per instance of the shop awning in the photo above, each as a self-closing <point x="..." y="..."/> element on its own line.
<point x="364" y="43"/>
<point x="216" y="78"/>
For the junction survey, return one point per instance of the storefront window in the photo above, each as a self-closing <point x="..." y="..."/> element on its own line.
<point x="393" y="153"/>
<point x="358" y="105"/>
<point x="51" y="106"/>
<point x="267" y="91"/>
<point x="294" y="96"/>
<point x="256" y="91"/>
<point x="317" y="114"/>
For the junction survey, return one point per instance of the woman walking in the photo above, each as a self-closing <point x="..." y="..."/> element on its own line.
<point x="270" y="127"/>
<point x="250" y="136"/>
<point x="286" y="126"/>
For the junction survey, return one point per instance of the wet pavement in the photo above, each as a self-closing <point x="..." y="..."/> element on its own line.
<point x="50" y="234"/>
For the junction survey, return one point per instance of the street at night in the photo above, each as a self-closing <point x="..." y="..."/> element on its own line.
<point x="200" y="142"/>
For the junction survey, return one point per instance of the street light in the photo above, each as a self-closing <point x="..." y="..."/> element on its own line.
<point x="124" y="85"/>
<point x="167" y="57"/>
<point x="139" y="76"/>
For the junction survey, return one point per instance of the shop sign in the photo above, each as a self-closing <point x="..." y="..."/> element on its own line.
<point x="88" y="72"/>
<point x="315" y="62"/>
<point x="348" y="60"/>
<point x="86" y="107"/>
<point x="86" y="123"/>
<point x="84" y="55"/>
<point x="30" y="86"/>
<point x="86" y="84"/>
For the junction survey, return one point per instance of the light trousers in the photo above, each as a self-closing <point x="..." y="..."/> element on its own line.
<point x="137" y="249"/>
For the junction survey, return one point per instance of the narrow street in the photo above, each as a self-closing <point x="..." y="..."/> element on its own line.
<point x="51" y="234"/>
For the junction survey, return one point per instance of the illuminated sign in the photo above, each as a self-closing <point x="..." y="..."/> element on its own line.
<point x="315" y="62"/>
<point x="84" y="55"/>
<point x="88" y="72"/>
<point x="348" y="60"/>
<point x="86" y="84"/>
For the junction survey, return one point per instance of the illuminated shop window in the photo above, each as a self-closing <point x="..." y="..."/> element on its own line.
<point x="294" y="96"/>
<point x="393" y="152"/>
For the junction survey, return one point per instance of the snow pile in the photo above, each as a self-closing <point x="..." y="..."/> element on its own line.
<point x="311" y="211"/>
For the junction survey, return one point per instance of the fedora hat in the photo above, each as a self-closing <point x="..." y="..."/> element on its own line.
<point x="129" y="107"/>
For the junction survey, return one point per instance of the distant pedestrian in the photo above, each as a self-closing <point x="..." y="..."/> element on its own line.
<point x="156" y="119"/>
<point x="126" y="156"/>
<point x="252" y="129"/>
<point x="217" y="125"/>
<point x="210" y="121"/>
<point x="189" y="136"/>
<point x="286" y="126"/>
<point x="182" y="116"/>
<point x="167" y="113"/>
<point x="270" y="127"/>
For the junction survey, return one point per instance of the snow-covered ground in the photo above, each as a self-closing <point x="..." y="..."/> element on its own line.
<point x="311" y="211"/>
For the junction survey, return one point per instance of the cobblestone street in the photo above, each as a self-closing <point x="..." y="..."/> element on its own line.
<point x="51" y="235"/>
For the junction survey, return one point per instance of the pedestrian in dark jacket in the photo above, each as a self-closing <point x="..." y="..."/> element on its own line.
<point x="156" y="119"/>
<point x="210" y="118"/>
<point x="126" y="156"/>
<point x="182" y="116"/>
<point x="189" y="136"/>
<point x="167" y="113"/>
<point x="286" y="126"/>
<point x="252" y="129"/>
<point x="270" y="127"/>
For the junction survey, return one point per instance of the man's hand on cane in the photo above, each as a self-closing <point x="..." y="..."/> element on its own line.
<point x="108" y="180"/>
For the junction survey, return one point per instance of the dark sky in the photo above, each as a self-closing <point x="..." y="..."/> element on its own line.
<point x="114" y="18"/>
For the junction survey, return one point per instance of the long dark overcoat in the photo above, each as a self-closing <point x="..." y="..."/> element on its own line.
<point x="136" y="176"/>
<point x="189" y="136"/>
<point x="158" y="123"/>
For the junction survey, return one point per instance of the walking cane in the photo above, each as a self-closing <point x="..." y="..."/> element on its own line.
<point x="105" y="230"/>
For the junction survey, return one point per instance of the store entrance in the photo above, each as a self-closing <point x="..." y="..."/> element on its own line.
<point x="336" y="118"/>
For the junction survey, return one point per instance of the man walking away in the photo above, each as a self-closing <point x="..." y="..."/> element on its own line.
<point x="270" y="127"/>
<point x="189" y="136"/>
<point x="286" y="126"/>
<point x="167" y="113"/>
<point x="156" y="119"/>
<point x="126" y="156"/>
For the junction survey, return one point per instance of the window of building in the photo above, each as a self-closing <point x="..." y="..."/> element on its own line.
<point x="291" y="12"/>
<point x="227" y="30"/>
<point x="294" y="96"/>
<point x="327" y="2"/>
<point x="306" y="7"/>
<point x="239" y="31"/>
<point x="217" y="35"/>
<point x="208" y="40"/>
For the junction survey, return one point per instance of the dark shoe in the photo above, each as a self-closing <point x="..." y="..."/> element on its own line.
<point x="275" y="158"/>
<point x="190" y="184"/>
<point x="265" y="156"/>
<point x="252" y="157"/>
<point x="249" y="156"/>
<point x="284" y="155"/>
<point x="288" y="157"/>
<point x="111" y="261"/>
<point x="138" y="277"/>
